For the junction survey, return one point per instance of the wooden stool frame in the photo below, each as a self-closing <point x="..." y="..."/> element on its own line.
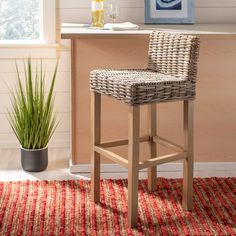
<point x="133" y="164"/>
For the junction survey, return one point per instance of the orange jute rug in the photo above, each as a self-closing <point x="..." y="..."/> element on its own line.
<point x="64" y="208"/>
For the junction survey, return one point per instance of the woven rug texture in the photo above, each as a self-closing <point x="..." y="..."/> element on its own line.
<point x="64" y="208"/>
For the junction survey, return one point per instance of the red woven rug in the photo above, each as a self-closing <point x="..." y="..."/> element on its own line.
<point x="64" y="208"/>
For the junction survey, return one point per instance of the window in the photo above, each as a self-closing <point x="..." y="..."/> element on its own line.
<point x="28" y="28"/>
<point x="20" y="20"/>
<point x="27" y="20"/>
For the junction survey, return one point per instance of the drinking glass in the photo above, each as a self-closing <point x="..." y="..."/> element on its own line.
<point x="113" y="10"/>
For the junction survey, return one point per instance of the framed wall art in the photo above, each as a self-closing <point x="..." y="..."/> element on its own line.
<point x="169" y="12"/>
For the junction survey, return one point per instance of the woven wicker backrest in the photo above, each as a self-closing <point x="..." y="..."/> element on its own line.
<point x="174" y="54"/>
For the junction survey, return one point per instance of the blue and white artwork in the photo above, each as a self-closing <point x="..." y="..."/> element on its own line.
<point x="168" y="4"/>
<point x="169" y="11"/>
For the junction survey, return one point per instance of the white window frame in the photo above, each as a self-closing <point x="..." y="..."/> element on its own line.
<point x="44" y="47"/>
<point x="48" y="21"/>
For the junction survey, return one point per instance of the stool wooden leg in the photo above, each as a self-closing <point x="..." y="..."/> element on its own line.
<point x="188" y="163"/>
<point x="133" y="160"/>
<point x="152" y="174"/>
<point x="95" y="140"/>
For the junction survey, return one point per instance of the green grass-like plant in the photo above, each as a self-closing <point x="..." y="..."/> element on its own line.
<point x="31" y="116"/>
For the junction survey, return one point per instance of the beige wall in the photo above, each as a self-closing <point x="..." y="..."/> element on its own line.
<point x="215" y="122"/>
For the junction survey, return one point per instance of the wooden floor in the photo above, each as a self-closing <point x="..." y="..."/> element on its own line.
<point x="58" y="169"/>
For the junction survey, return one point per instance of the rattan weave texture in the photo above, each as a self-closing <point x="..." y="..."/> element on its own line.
<point x="171" y="73"/>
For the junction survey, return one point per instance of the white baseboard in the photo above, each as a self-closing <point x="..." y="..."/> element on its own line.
<point x="168" y="167"/>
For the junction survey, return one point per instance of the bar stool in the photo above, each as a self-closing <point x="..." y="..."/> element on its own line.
<point x="170" y="76"/>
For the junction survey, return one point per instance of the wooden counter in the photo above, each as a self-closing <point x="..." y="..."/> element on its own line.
<point x="73" y="31"/>
<point x="215" y="116"/>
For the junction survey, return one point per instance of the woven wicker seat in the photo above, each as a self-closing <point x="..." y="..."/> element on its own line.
<point x="171" y="73"/>
<point x="170" y="76"/>
<point x="140" y="86"/>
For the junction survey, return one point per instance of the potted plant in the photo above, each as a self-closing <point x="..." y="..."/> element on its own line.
<point x="31" y="116"/>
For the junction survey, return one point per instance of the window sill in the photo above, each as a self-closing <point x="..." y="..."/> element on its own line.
<point x="26" y="43"/>
<point x="24" y="49"/>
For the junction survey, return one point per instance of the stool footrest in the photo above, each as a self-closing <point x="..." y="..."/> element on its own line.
<point x="143" y="164"/>
<point x="162" y="159"/>
<point x="166" y="143"/>
<point x="112" y="156"/>
<point x="122" y="142"/>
